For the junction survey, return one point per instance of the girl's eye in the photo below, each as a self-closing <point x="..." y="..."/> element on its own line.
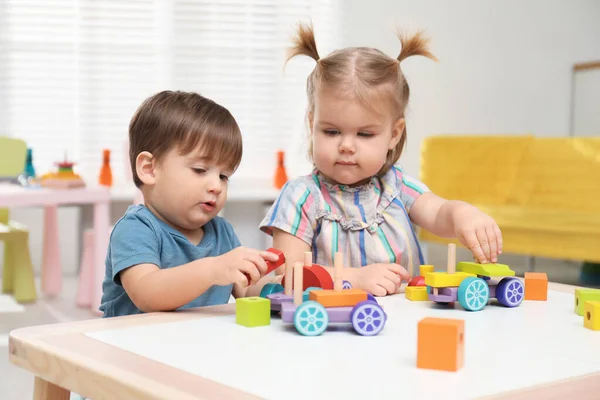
<point x="331" y="132"/>
<point x="199" y="170"/>
<point x="365" y="134"/>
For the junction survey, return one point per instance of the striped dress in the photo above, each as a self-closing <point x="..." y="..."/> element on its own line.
<point x="368" y="224"/>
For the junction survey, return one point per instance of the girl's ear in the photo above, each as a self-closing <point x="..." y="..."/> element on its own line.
<point x="145" y="165"/>
<point x="397" y="132"/>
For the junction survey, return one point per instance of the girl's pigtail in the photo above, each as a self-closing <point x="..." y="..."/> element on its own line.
<point x="304" y="43"/>
<point x="415" y="45"/>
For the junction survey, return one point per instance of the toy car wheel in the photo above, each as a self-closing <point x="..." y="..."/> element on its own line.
<point x="510" y="292"/>
<point x="311" y="318"/>
<point x="370" y="297"/>
<point x="473" y="294"/>
<point x="270" y="288"/>
<point x="368" y="318"/>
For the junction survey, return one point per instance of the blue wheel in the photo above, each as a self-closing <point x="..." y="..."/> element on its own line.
<point x="270" y="288"/>
<point x="367" y="318"/>
<point x="473" y="294"/>
<point x="311" y="318"/>
<point x="510" y="292"/>
<point x="346" y="285"/>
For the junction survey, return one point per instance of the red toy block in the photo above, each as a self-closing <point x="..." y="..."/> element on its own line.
<point x="272" y="265"/>
<point x="417" y="281"/>
<point x="315" y="276"/>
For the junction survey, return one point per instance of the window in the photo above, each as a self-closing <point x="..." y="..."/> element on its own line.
<point x="72" y="72"/>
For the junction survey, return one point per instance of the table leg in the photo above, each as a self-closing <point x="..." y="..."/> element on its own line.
<point x="44" y="390"/>
<point x="101" y="234"/>
<point x="51" y="268"/>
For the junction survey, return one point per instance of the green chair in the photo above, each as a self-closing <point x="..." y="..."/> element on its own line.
<point x="17" y="273"/>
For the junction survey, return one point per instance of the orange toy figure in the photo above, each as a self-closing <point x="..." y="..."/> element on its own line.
<point x="280" y="175"/>
<point x="106" y="178"/>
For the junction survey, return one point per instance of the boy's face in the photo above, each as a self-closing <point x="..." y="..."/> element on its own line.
<point x="188" y="190"/>
<point x="351" y="141"/>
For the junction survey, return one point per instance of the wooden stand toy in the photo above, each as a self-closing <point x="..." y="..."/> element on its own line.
<point x="314" y="273"/>
<point x="473" y="285"/>
<point x="325" y="306"/>
<point x="582" y="295"/>
<point x="441" y="344"/>
<point x="536" y="286"/>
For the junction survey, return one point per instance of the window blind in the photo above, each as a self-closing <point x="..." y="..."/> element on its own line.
<point x="72" y="72"/>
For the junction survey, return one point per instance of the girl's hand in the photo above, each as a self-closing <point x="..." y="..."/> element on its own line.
<point x="241" y="266"/>
<point x="379" y="279"/>
<point x="478" y="232"/>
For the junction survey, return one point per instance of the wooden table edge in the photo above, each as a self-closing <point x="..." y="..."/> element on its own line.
<point x="58" y="340"/>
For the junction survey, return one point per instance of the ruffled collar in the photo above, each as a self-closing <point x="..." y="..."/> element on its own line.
<point x="334" y="187"/>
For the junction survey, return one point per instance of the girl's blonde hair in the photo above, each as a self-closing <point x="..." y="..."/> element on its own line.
<point x="361" y="72"/>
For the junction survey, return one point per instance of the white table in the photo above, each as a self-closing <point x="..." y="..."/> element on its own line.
<point x="539" y="350"/>
<point x="13" y="196"/>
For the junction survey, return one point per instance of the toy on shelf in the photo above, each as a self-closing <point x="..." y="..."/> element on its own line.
<point x="105" y="178"/>
<point x="474" y="284"/>
<point x="313" y="308"/>
<point x="64" y="178"/>
<point x="280" y="177"/>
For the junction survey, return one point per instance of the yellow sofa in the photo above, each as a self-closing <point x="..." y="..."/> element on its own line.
<point x="543" y="192"/>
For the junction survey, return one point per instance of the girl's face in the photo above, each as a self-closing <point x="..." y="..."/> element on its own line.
<point x="351" y="141"/>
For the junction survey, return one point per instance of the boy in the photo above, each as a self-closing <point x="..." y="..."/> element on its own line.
<point x="174" y="252"/>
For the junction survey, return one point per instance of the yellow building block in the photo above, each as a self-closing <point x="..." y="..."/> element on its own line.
<point x="425" y="269"/>
<point x="591" y="315"/>
<point x="417" y="293"/>
<point x="582" y="295"/>
<point x="444" y="279"/>
<point x="485" y="269"/>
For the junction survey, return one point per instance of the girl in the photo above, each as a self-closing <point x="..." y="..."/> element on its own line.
<point x="356" y="200"/>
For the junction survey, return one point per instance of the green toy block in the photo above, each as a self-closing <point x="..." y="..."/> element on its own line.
<point x="489" y="270"/>
<point x="582" y="295"/>
<point x="253" y="311"/>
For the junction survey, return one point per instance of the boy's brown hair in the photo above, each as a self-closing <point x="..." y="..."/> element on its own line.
<point x="361" y="72"/>
<point x="186" y="120"/>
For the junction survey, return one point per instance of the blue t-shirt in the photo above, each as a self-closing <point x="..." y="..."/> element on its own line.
<point x="139" y="237"/>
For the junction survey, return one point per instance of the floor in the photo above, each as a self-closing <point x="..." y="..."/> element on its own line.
<point x="17" y="384"/>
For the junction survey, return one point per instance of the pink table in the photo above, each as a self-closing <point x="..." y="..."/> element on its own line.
<point x="12" y="196"/>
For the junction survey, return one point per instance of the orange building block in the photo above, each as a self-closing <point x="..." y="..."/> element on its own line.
<point x="344" y="298"/>
<point x="441" y="344"/>
<point x="536" y="286"/>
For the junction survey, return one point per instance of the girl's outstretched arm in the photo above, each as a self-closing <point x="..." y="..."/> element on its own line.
<point x="476" y="230"/>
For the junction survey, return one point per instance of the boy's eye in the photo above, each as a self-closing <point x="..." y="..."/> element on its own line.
<point x="199" y="170"/>
<point x="224" y="178"/>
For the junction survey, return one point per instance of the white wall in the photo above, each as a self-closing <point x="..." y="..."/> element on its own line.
<point x="505" y="66"/>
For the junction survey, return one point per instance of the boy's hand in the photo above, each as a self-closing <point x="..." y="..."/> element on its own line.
<point x="479" y="233"/>
<point x="239" y="264"/>
<point x="379" y="279"/>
